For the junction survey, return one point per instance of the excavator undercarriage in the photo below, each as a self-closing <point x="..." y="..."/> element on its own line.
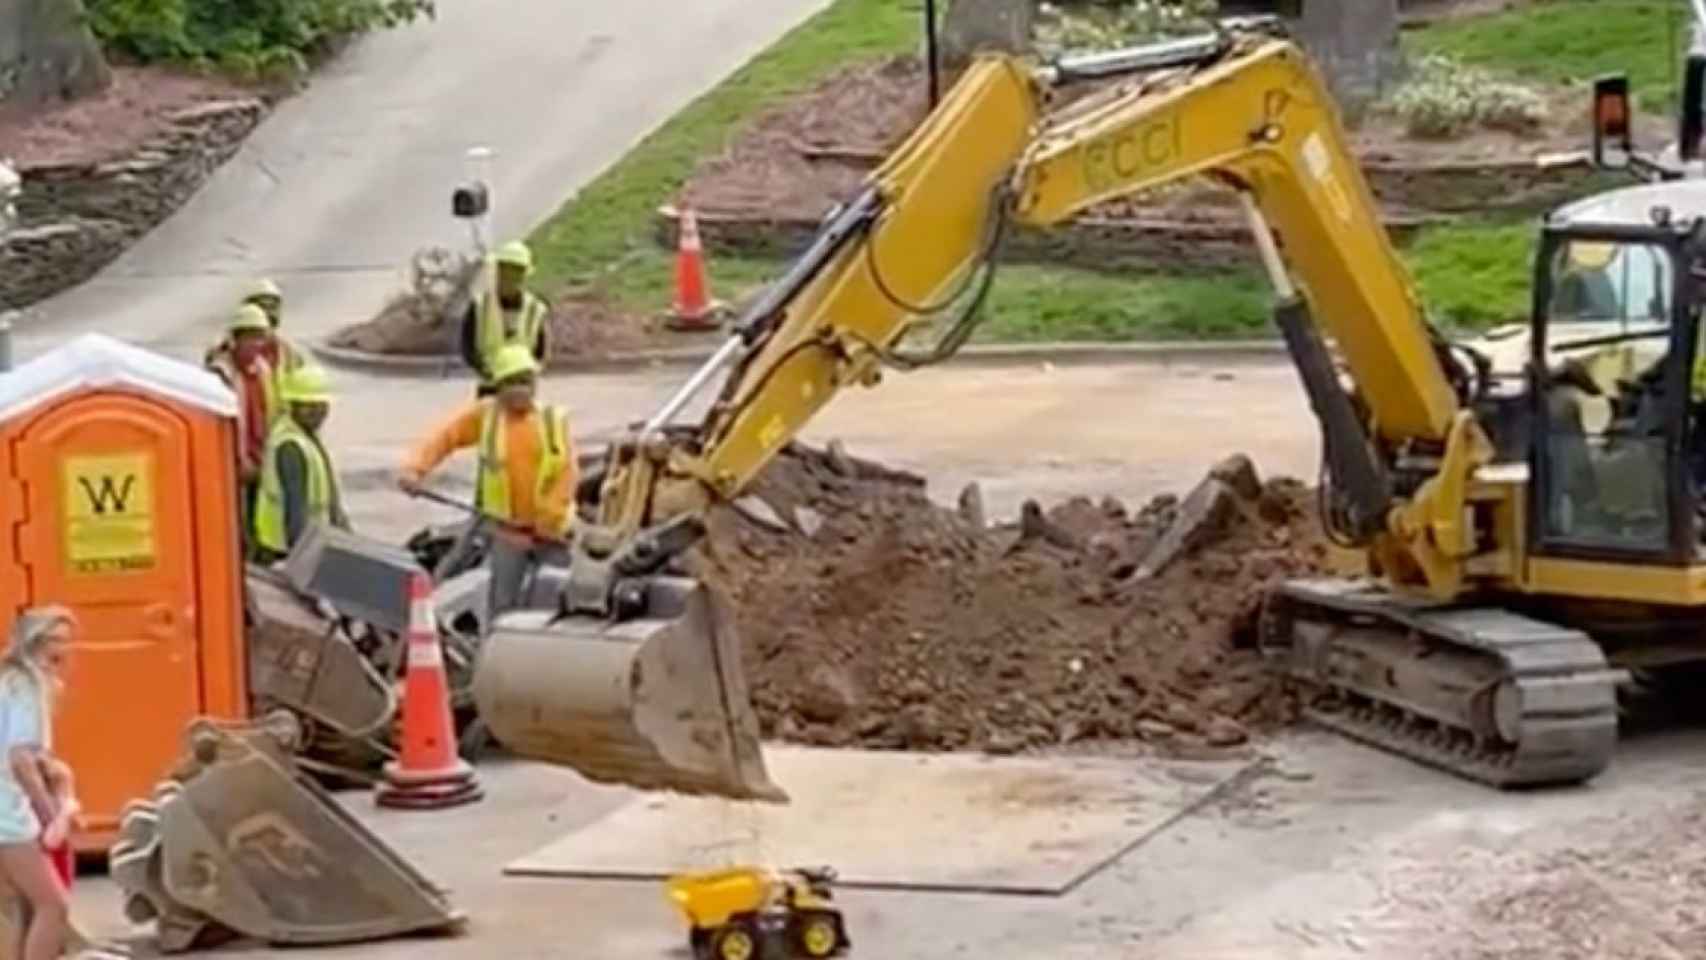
<point x="622" y="667"/>
<point x="1444" y="654"/>
<point x="1479" y="691"/>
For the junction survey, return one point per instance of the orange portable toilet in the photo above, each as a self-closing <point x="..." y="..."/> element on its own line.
<point x="118" y="498"/>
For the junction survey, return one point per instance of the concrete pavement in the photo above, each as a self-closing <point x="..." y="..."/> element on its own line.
<point x="1343" y="853"/>
<point x="1130" y="430"/>
<point x="1339" y="853"/>
<point x="343" y="183"/>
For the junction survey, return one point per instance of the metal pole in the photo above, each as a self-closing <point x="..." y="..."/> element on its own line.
<point x="725" y="355"/>
<point x="478" y="161"/>
<point x="6" y="340"/>
<point x="1264" y="237"/>
<point x="930" y="49"/>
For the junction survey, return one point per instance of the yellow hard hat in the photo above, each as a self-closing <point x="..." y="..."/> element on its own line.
<point x="1591" y="254"/>
<point x="248" y="317"/>
<point x="515" y="254"/>
<point x="512" y="361"/>
<point x="307" y="384"/>
<point x="263" y="289"/>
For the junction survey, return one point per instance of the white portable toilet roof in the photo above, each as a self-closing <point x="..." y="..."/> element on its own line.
<point x="96" y="361"/>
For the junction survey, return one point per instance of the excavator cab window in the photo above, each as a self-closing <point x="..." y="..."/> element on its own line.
<point x="1614" y="346"/>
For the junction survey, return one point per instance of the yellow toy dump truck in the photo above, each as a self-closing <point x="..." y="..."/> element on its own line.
<point x="755" y="913"/>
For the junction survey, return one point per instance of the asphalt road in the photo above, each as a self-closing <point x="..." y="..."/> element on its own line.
<point x="340" y="185"/>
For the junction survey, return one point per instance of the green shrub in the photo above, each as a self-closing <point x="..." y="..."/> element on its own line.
<point x="1118" y="23"/>
<point x="247" y="36"/>
<point x="1445" y="98"/>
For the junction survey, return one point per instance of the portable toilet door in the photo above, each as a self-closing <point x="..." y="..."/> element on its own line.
<point x="118" y="499"/>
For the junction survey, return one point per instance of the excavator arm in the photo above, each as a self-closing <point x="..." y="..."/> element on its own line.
<point x="637" y="678"/>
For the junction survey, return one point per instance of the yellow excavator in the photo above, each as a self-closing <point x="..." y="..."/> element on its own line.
<point x="1527" y="547"/>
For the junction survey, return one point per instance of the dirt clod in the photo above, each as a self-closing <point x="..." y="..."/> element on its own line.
<point x="827" y="696"/>
<point x="901" y="625"/>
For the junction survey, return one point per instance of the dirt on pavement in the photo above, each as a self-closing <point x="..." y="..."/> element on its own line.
<point x="873" y="617"/>
<point x="580" y="328"/>
<point x="1626" y="888"/>
<point x="109" y="124"/>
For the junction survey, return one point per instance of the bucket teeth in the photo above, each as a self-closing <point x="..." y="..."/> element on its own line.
<point x="135" y="865"/>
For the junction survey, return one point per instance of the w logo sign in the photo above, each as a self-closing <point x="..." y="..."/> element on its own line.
<point x="109" y="513"/>
<point x="108" y="494"/>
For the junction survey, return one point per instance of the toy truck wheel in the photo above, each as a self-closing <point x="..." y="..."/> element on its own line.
<point x="700" y="940"/>
<point x="818" y="933"/>
<point x="736" y="941"/>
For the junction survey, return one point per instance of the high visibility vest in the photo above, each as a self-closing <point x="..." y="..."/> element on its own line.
<point x="492" y="484"/>
<point x="270" y="528"/>
<point x="492" y="333"/>
<point x="290" y="356"/>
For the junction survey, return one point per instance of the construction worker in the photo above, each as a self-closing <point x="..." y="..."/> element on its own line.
<point x="526" y="471"/>
<point x="282" y="353"/>
<point x="299" y="484"/>
<point x="240" y="360"/>
<point x="506" y="315"/>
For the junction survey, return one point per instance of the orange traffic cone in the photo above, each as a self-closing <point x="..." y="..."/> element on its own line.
<point x="694" y="309"/>
<point x="427" y="773"/>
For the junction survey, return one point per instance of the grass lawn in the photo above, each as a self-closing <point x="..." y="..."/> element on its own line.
<point x="1470" y="276"/>
<point x="610" y="219"/>
<point x="1568" y="41"/>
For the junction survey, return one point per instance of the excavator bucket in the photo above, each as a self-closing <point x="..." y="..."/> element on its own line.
<point x="241" y="844"/>
<point x="657" y="702"/>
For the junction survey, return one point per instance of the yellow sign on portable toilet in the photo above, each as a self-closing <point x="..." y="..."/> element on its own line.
<point x="118" y="498"/>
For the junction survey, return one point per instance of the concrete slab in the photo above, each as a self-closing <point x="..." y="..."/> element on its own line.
<point x="942" y="822"/>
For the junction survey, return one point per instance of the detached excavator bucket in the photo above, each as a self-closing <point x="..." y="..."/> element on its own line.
<point x="244" y="845"/>
<point x="658" y="702"/>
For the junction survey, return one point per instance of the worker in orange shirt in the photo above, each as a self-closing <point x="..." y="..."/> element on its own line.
<point x="525" y="472"/>
<point x="240" y="360"/>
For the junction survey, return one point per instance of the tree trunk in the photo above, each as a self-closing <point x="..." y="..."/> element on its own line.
<point x="1355" y="43"/>
<point x="48" y="52"/>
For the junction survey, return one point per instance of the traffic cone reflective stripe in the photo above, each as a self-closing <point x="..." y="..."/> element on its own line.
<point x="693" y="308"/>
<point x="427" y="773"/>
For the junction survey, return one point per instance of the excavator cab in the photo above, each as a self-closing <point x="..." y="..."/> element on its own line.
<point x="1618" y="440"/>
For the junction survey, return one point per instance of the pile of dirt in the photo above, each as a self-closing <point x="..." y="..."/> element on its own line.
<point x="874" y="617"/>
<point x="581" y="328"/>
<point x="104" y="126"/>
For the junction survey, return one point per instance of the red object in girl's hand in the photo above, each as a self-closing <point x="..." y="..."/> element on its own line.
<point x="64" y="862"/>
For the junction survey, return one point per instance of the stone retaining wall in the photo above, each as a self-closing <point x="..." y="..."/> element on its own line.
<point x="75" y="218"/>
<point x="1098" y="243"/>
<point x="1414" y="195"/>
<point x="1506" y="186"/>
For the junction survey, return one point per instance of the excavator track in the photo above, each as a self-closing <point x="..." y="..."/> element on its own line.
<point x="1481" y="692"/>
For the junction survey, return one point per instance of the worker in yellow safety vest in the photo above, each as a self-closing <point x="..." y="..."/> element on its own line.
<point x="240" y="360"/>
<point x="525" y="474"/>
<point x="299" y="484"/>
<point x="283" y="353"/>
<point x="505" y="315"/>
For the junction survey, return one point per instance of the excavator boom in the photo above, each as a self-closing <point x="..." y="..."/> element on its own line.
<point x="659" y="699"/>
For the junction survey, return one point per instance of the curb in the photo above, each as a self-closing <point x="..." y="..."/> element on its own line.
<point x="995" y="354"/>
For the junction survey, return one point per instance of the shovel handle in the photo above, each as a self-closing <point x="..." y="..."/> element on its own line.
<point x="473" y="510"/>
